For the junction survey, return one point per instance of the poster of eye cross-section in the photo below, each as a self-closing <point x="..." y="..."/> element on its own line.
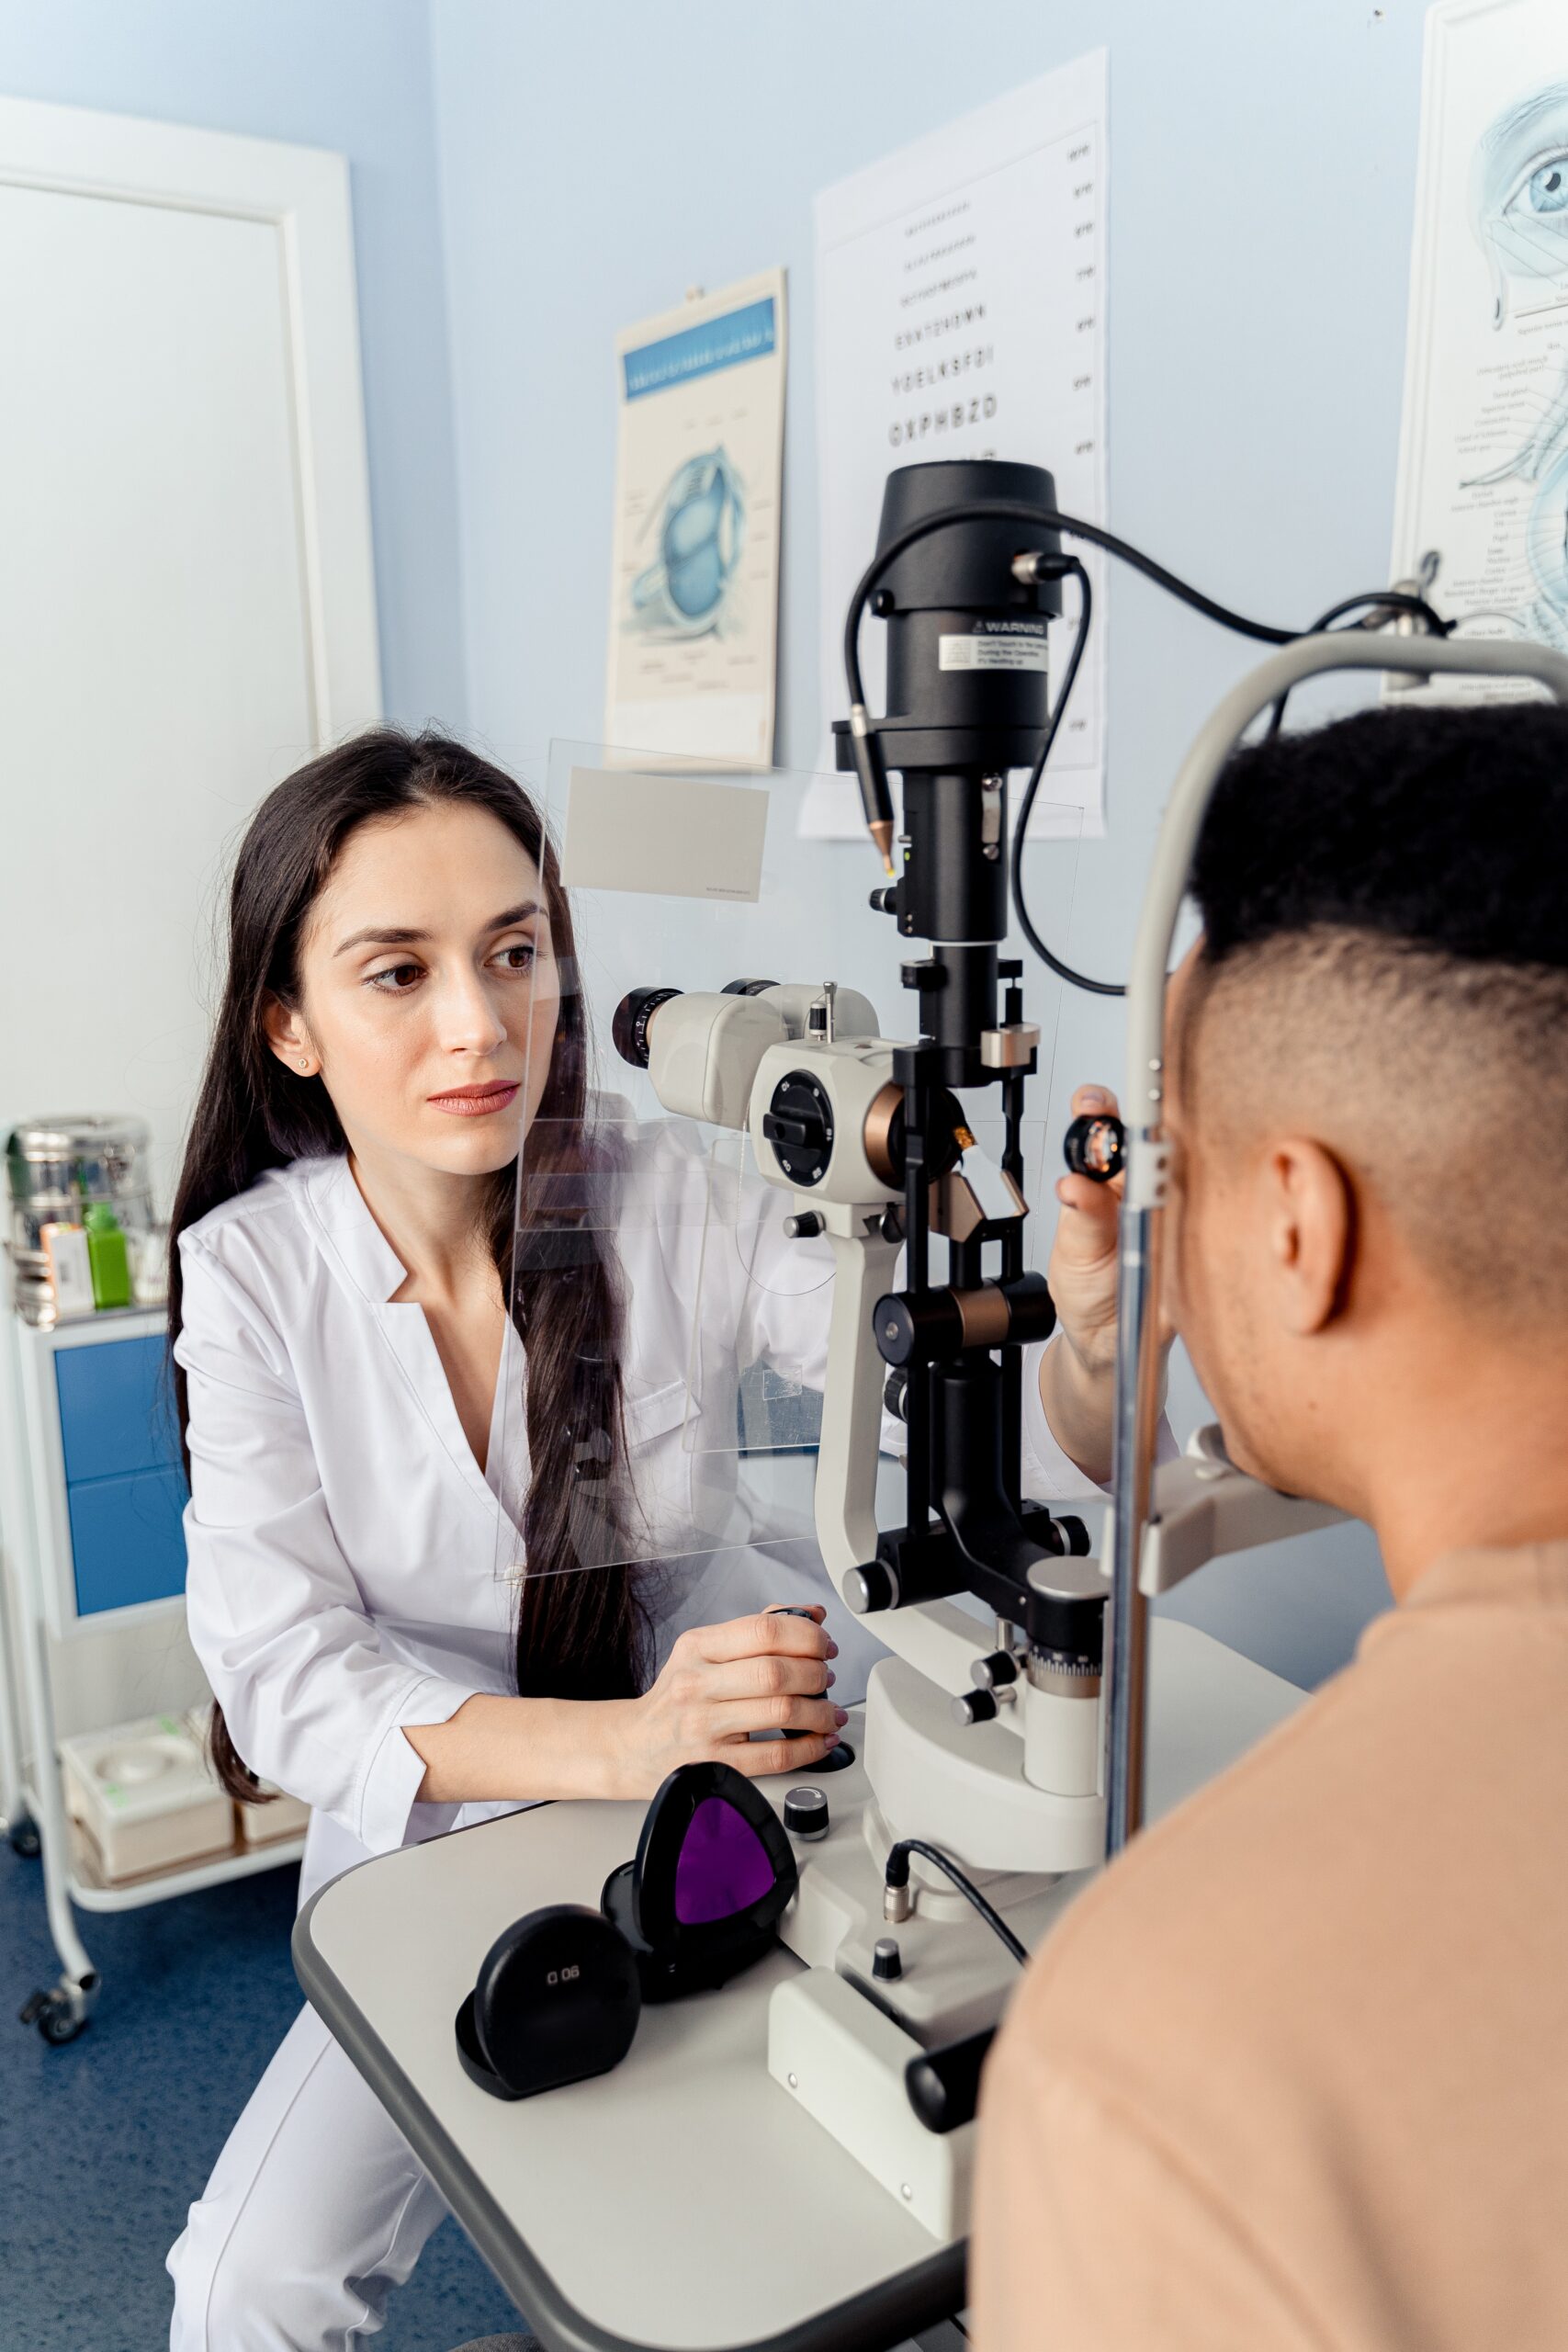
<point x="693" y="599"/>
<point x="1483" y="505"/>
<point x="961" y="313"/>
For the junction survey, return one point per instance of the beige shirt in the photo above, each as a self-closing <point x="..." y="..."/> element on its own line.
<point x="1295" y="2072"/>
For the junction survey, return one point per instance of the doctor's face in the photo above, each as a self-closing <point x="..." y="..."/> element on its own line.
<point x="429" y="995"/>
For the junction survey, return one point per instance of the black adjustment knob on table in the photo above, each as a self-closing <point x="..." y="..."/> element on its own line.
<point x="886" y="1960"/>
<point x="976" y="1707"/>
<point x="943" y="2084"/>
<point x="995" y="1672"/>
<point x="806" y="1813"/>
<point x="871" y="1588"/>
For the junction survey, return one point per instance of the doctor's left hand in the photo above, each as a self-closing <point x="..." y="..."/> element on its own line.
<point x="1077" y="1371"/>
<point x="764" y="1674"/>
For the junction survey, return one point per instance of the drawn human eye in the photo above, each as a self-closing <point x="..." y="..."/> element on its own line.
<point x="1544" y="193"/>
<point x="1518" y="193"/>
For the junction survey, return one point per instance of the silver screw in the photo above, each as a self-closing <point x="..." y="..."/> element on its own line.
<point x="794" y="2081"/>
<point x="905" y="2190"/>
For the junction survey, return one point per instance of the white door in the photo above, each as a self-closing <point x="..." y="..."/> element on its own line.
<point x="186" y="611"/>
<point x="187" y="604"/>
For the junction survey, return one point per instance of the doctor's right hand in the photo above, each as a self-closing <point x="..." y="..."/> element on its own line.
<point x="763" y="1674"/>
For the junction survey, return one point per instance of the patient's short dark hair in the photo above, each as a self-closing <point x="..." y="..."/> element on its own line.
<point x="1444" y="827"/>
<point x="1386" y="953"/>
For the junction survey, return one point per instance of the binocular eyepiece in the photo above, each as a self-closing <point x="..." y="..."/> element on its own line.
<point x="628" y="1024"/>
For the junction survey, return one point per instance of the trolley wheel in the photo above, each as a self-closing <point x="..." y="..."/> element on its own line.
<point x="57" y="2017"/>
<point x="25" y="1839"/>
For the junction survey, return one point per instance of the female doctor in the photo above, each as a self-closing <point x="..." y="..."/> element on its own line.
<point x="400" y="1004"/>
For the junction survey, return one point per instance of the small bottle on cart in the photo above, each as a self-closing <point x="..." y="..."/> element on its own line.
<point x="108" y="1257"/>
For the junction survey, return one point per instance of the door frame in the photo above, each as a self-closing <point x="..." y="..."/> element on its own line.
<point x="303" y="194"/>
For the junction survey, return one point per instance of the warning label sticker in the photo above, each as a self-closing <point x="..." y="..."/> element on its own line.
<point x="1004" y="649"/>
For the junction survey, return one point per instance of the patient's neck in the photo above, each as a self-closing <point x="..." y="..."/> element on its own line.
<point x="1464" y="1446"/>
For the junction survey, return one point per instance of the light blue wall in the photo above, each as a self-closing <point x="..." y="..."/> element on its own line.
<point x="349" y="74"/>
<point x="598" y="160"/>
<point x="527" y="178"/>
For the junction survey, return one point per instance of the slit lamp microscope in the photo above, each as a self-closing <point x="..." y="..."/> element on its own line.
<point x="1002" y="1753"/>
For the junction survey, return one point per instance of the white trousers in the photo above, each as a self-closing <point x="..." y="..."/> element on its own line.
<point x="316" y="2210"/>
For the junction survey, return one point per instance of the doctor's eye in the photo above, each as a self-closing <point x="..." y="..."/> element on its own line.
<point x="395" y="979"/>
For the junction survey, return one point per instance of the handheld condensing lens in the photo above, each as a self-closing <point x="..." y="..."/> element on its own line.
<point x="1096" y="1146"/>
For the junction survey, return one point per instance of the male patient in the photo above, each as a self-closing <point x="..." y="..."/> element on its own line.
<point x="1294" y="2072"/>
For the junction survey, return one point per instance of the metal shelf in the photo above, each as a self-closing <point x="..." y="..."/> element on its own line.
<point x="94" y="1893"/>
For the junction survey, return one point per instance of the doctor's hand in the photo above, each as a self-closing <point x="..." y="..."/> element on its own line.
<point x="721" y="1684"/>
<point x="1083" y="1268"/>
<point x="1077" y="1371"/>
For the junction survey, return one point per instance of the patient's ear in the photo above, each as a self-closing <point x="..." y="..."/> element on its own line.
<point x="1308" y="1223"/>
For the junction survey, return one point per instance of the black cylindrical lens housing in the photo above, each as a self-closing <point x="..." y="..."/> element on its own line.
<point x="628" y="1023"/>
<point x="966" y="670"/>
<point x="951" y="889"/>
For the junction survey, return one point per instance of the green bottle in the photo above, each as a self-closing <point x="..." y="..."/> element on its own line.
<point x="106" y="1255"/>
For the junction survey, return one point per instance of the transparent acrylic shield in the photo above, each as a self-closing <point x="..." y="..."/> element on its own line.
<point x="661" y="1387"/>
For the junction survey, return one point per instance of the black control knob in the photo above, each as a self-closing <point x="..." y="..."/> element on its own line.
<point x="871" y="1588"/>
<point x="976" y="1707"/>
<point x="805" y="1813"/>
<point x="995" y="1672"/>
<point x="803" y="1227"/>
<point x="896" y="1391"/>
<point x="886" y="1960"/>
<point x="798" y="1122"/>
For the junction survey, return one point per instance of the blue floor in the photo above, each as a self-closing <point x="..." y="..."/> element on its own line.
<point x="105" y="2141"/>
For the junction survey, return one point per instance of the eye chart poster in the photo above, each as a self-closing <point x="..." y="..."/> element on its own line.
<point x="1483" y="452"/>
<point x="694" y="590"/>
<point x="961" y="313"/>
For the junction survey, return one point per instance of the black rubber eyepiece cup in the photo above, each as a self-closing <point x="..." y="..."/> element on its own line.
<point x="628" y="1023"/>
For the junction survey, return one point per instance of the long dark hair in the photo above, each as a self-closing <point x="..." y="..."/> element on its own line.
<point x="578" y="1636"/>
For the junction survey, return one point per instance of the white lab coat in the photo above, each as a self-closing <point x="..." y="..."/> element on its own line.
<point x="351" y="1570"/>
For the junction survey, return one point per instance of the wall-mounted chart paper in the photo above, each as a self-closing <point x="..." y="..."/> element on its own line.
<point x="693" y="590"/>
<point x="1484" y="454"/>
<point x="961" y="313"/>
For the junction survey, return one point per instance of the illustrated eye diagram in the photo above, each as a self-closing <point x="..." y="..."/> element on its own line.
<point x="701" y="531"/>
<point x="1518" y="197"/>
<point x="1546" y="190"/>
<point x="1518" y="208"/>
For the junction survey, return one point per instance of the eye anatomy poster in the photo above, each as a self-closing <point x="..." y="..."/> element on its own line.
<point x="1484" y="457"/>
<point x="961" y="313"/>
<point x="693" y="594"/>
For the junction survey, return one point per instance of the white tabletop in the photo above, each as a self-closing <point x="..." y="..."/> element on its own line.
<point x="685" y="2199"/>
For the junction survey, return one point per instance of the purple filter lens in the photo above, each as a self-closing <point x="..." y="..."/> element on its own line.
<point x="722" y="1867"/>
